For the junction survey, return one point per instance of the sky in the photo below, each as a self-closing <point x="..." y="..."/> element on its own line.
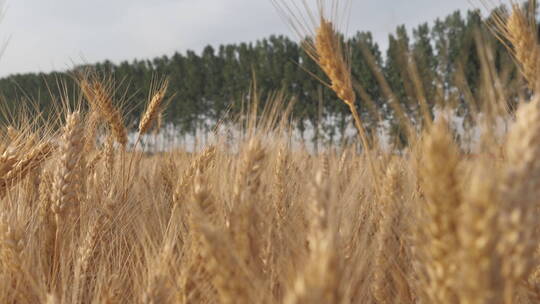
<point x="46" y="35"/>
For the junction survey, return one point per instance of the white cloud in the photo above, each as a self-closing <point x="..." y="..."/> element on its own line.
<point x="54" y="34"/>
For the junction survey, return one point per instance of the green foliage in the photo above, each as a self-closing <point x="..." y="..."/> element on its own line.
<point x="206" y="86"/>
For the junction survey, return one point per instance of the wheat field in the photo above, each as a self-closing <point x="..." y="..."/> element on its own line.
<point x="87" y="218"/>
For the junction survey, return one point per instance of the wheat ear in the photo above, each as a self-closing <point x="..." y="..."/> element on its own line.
<point x="85" y="255"/>
<point x="100" y="98"/>
<point x="23" y="166"/>
<point x="328" y="53"/>
<point x="319" y="282"/>
<point x="438" y="240"/>
<point x="523" y="36"/>
<point x="202" y="162"/>
<point x="67" y="179"/>
<point x="384" y="285"/>
<point x="481" y="281"/>
<point x="154" y="108"/>
<point x="518" y="32"/>
<point x="11" y="246"/>
<point x="520" y="190"/>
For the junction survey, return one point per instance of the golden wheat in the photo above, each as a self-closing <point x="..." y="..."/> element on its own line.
<point x="87" y="219"/>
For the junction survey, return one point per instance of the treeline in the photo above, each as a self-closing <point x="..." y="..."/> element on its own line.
<point x="203" y="87"/>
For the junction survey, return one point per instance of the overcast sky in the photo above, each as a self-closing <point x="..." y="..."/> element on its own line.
<point x="47" y="35"/>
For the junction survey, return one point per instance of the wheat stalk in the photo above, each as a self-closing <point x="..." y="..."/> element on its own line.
<point x="280" y="202"/>
<point x="327" y="52"/>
